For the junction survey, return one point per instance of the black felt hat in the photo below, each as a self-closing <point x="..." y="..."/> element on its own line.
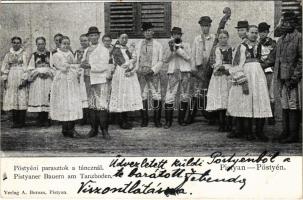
<point x="146" y="26"/>
<point x="263" y="27"/>
<point x="205" y="20"/>
<point x="242" y="24"/>
<point x="176" y="30"/>
<point x="92" y="30"/>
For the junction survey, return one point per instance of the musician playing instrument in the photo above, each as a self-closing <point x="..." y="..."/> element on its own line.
<point x="201" y="50"/>
<point x="178" y="57"/>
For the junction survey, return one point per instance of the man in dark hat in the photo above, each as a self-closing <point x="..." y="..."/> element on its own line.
<point x="288" y="65"/>
<point x="201" y="50"/>
<point x="242" y="28"/>
<point x="96" y="59"/>
<point x="149" y="64"/>
<point x="268" y="46"/>
<point x="287" y="24"/>
<point x="178" y="57"/>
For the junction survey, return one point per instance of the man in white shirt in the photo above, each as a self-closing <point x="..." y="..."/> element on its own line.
<point x="148" y="66"/>
<point x="201" y="50"/>
<point x="96" y="57"/>
<point x="178" y="57"/>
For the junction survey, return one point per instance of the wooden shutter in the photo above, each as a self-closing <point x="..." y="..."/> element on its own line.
<point x="288" y="5"/>
<point x="292" y="5"/>
<point x="159" y="14"/>
<point x="129" y="16"/>
<point x="120" y="17"/>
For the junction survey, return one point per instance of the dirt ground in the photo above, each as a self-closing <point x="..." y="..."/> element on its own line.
<point x="198" y="139"/>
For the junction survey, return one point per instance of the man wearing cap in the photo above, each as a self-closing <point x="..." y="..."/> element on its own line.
<point x="288" y="66"/>
<point x="149" y="63"/>
<point x="96" y="58"/>
<point x="178" y="57"/>
<point x="242" y="27"/>
<point x="201" y="50"/>
<point x="268" y="46"/>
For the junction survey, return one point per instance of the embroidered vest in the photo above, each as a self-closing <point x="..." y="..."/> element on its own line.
<point x="226" y="56"/>
<point x="252" y="54"/>
<point x="118" y="56"/>
<point x="42" y="60"/>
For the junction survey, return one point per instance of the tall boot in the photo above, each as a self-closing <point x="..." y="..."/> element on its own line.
<point x="169" y="109"/>
<point x="123" y="121"/>
<point x="65" y="129"/>
<point x="71" y="127"/>
<point x="39" y="119"/>
<point x="166" y="116"/>
<point x="271" y="120"/>
<point x="85" y="117"/>
<point x="192" y="110"/>
<point x="144" y="114"/>
<point x="229" y="123"/>
<point x="14" y="119"/>
<point x="248" y="129"/>
<point x="48" y="120"/>
<point x="94" y="123"/>
<point x="44" y="119"/>
<point x="71" y="130"/>
<point x="22" y="117"/>
<point x="239" y="129"/>
<point x="113" y="118"/>
<point x="127" y="120"/>
<point x="285" y="126"/>
<point x="211" y="117"/>
<point x="182" y="112"/>
<point x="157" y="105"/>
<point x="103" y="119"/>
<point x="222" y="122"/>
<point x="159" y="114"/>
<point x="259" y="129"/>
<point x="293" y="127"/>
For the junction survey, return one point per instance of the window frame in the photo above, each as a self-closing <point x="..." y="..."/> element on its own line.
<point x="137" y="9"/>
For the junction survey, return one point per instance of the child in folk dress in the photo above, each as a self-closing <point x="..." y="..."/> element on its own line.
<point x="217" y="98"/>
<point x="65" y="102"/>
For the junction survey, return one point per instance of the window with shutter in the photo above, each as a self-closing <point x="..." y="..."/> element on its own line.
<point x="288" y="5"/>
<point x="129" y="17"/>
<point x="291" y="5"/>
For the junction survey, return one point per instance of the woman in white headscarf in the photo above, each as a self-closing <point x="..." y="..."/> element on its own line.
<point x="126" y="92"/>
<point x="14" y="78"/>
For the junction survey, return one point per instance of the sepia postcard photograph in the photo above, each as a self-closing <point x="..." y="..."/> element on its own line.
<point x="143" y="80"/>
